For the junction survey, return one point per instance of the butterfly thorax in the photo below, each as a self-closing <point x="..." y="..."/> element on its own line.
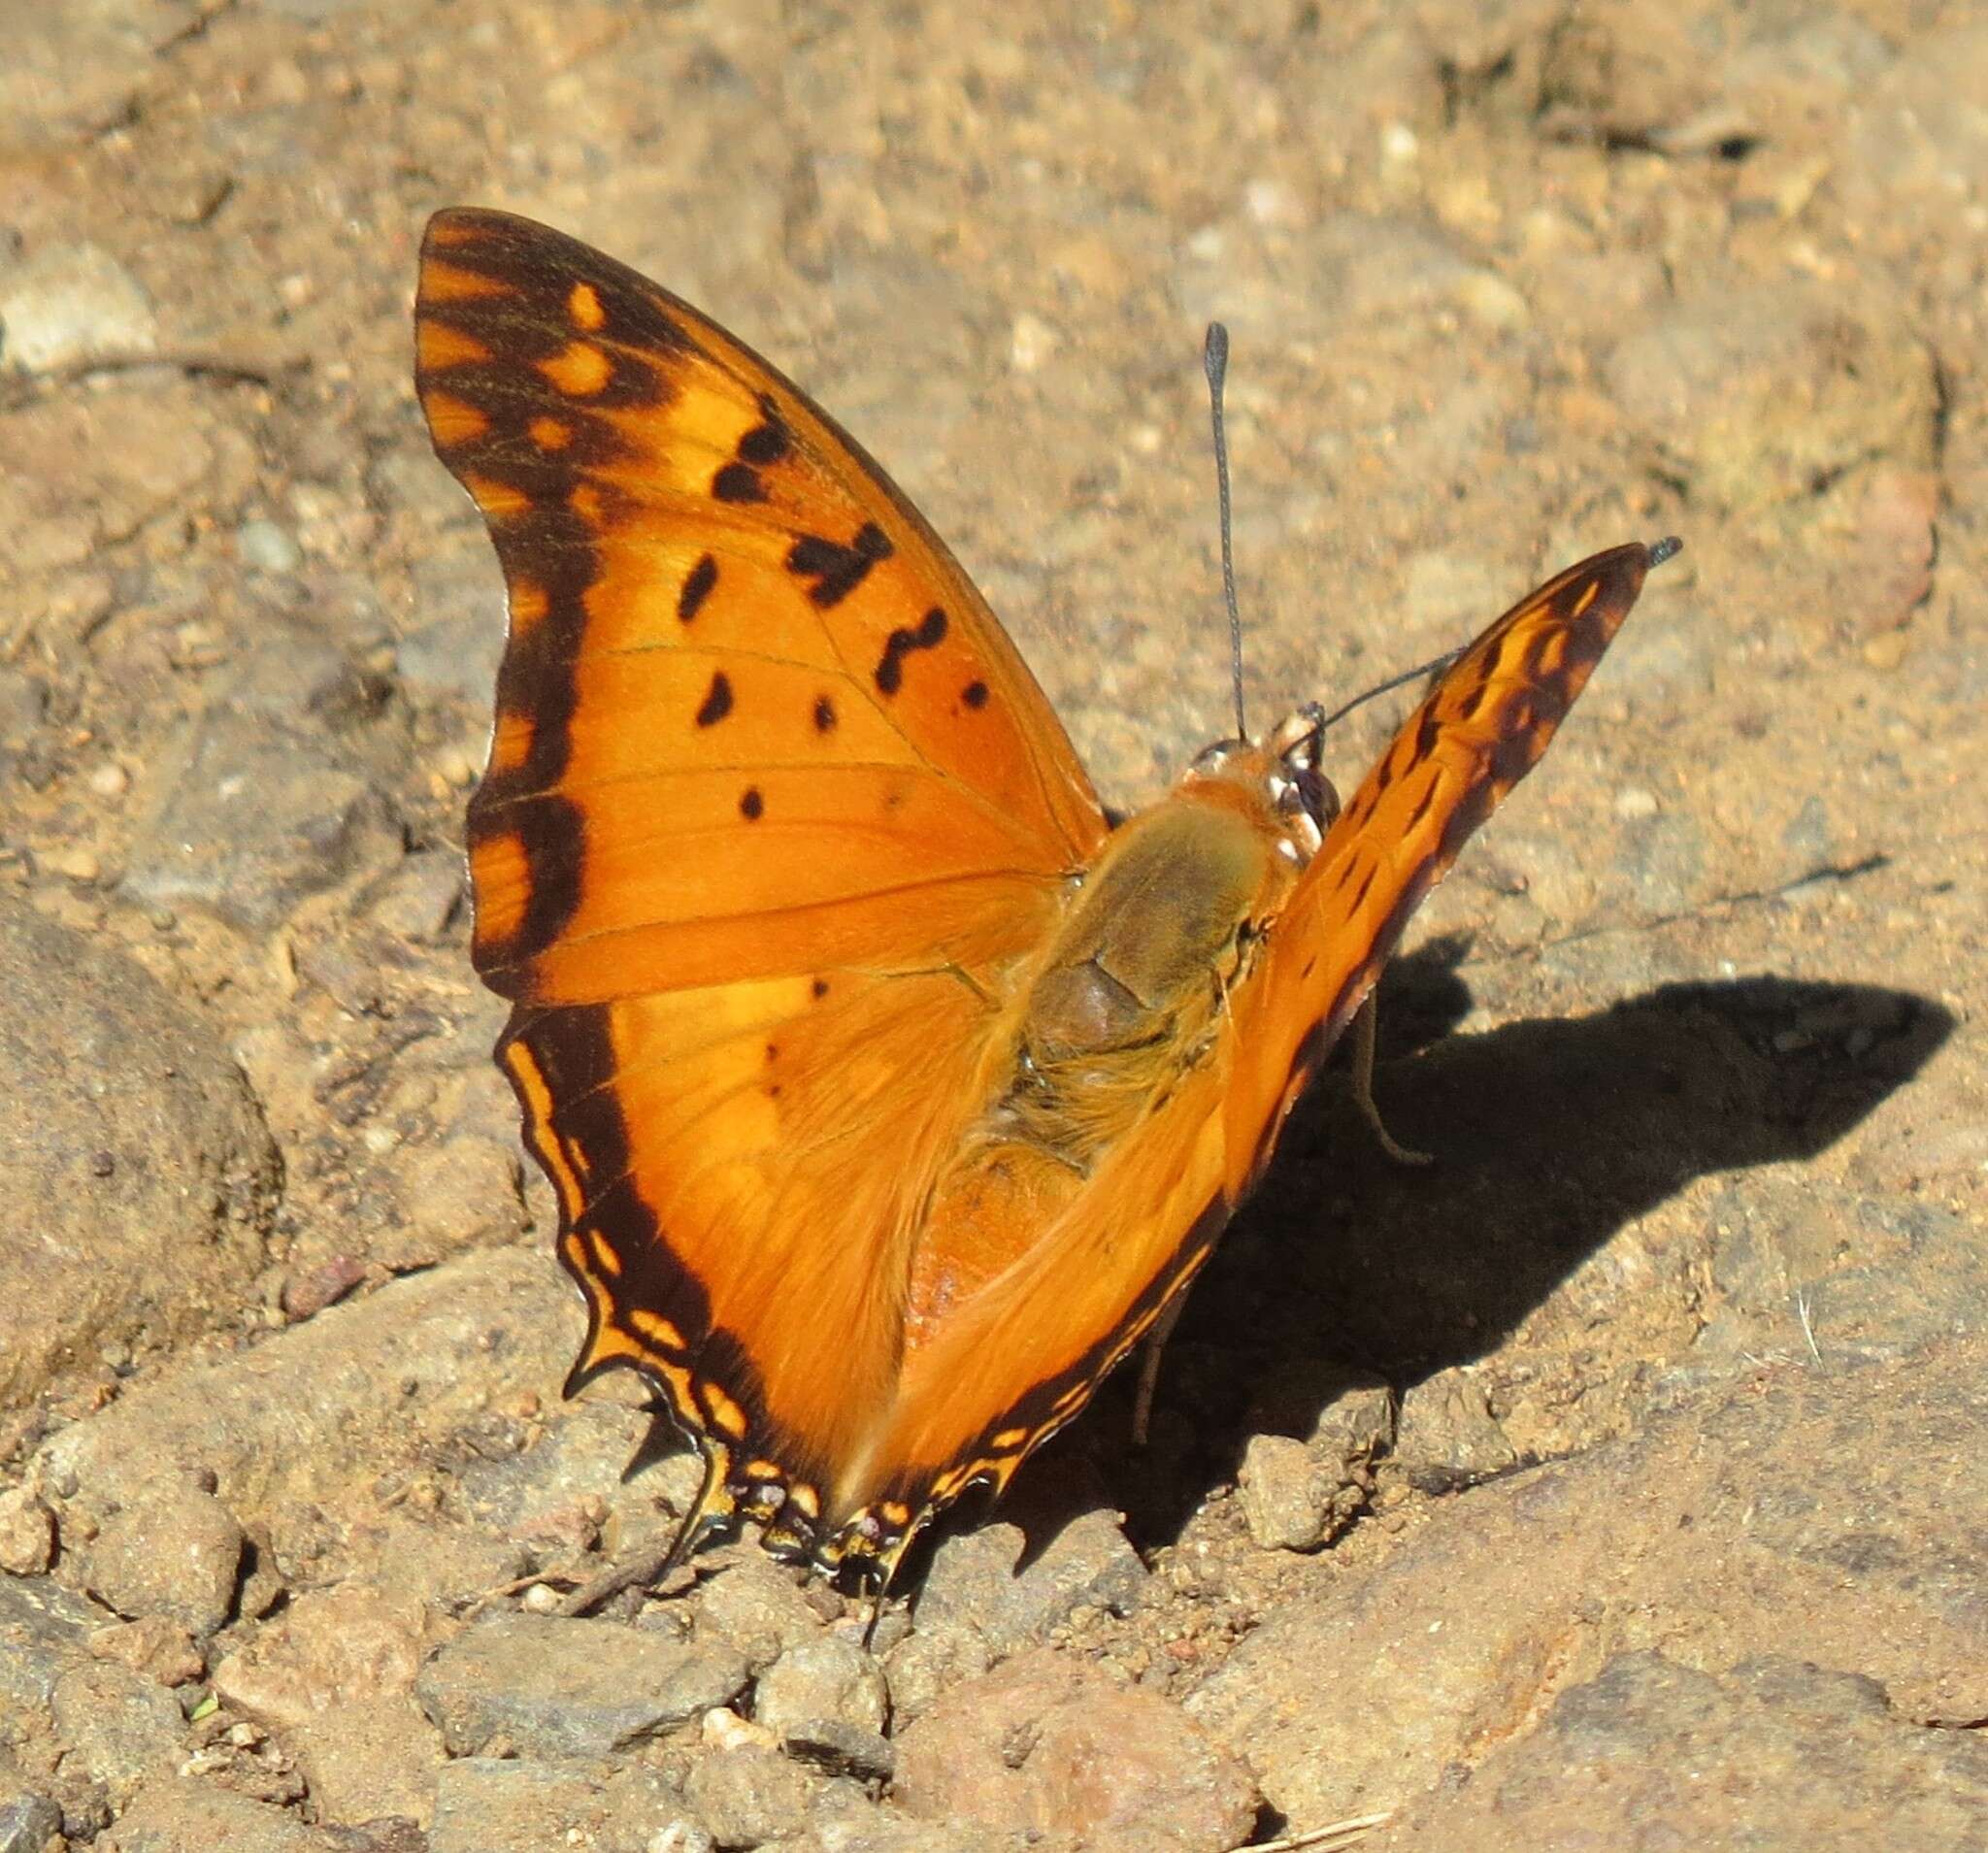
<point x="1128" y="999"/>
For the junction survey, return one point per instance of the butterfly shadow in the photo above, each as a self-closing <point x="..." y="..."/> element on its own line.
<point x="1549" y="1138"/>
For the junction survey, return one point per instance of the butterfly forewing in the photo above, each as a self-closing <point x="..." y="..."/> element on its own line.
<point x="722" y="615"/>
<point x="1475" y="734"/>
<point x="1033" y="1348"/>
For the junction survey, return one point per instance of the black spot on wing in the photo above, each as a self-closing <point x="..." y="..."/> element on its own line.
<point x="717" y="700"/>
<point x="975" y="694"/>
<point x="824" y="715"/>
<point x="766" y="441"/>
<point x="751" y="806"/>
<point x="737" y="482"/>
<point x="902" y="641"/>
<point x="836" y="570"/>
<point x="697" y="587"/>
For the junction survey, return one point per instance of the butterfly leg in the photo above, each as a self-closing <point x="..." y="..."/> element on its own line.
<point x="1365" y="1026"/>
<point x="1149" y="1365"/>
<point x="706" y="1522"/>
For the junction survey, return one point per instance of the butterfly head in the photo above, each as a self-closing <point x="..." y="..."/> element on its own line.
<point x="1286" y="770"/>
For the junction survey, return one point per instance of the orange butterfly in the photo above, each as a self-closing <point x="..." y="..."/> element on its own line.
<point x="890" y="1093"/>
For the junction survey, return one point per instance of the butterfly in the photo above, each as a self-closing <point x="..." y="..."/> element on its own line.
<point x="890" y="1091"/>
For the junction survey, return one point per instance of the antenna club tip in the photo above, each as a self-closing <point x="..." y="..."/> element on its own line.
<point x="1668" y="549"/>
<point x="1214" y="349"/>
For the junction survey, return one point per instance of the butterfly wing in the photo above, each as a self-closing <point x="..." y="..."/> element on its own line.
<point x="722" y="615"/>
<point x="1475" y="734"/>
<point x="771" y="802"/>
<point x="1028" y="1353"/>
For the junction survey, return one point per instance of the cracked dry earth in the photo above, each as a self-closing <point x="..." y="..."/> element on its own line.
<point x="1617" y="1481"/>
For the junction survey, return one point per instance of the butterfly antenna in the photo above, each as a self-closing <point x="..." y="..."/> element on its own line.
<point x="1214" y="361"/>
<point x="1429" y="668"/>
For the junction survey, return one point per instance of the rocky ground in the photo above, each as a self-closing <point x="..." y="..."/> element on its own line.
<point x="1615" y="1482"/>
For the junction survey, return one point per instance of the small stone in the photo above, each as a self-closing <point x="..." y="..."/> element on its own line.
<point x="160" y="1649"/>
<point x="28" y="1823"/>
<point x="1633" y="803"/>
<point x="722" y="1729"/>
<point x="117" y="1725"/>
<point x="759" y="1607"/>
<point x="488" y="1804"/>
<point x="1887" y="650"/>
<point x="27" y="1534"/>
<point x="978" y="1578"/>
<point x="267" y="547"/>
<point x="75" y="865"/>
<point x="680" y="1837"/>
<point x="178" y="1555"/>
<point x="839" y="1747"/>
<point x="828" y="1678"/>
<point x="1031" y="342"/>
<point x="332" y="1678"/>
<point x="1492" y="303"/>
<point x="750" y="1796"/>
<point x="559" y="1687"/>
<point x="1052" y="1744"/>
<point x="1447" y="1433"/>
<point x="311" y="1290"/>
<point x="1284" y="1500"/>
<point x="69" y="305"/>
<point x="108" y="780"/>
<point x="929" y="1662"/>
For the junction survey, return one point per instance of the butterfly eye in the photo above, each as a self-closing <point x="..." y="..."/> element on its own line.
<point x="1213" y="757"/>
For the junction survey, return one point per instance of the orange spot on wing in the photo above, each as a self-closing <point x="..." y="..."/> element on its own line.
<point x="452" y="420"/>
<point x="529" y="602"/>
<point x="502" y="872"/>
<point x="438" y="346"/>
<point x="446" y="282"/>
<point x="724" y="1412"/>
<point x="654" y="1326"/>
<point x="579" y="370"/>
<point x="584" y="305"/>
<point x="550" y="433"/>
<point x="511" y="744"/>
<point x="500" y="501"/>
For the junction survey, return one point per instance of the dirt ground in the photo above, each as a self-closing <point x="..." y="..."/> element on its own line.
<point x="1618" y="1481"/>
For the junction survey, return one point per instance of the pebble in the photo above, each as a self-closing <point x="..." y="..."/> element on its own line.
<point x="1052" y="1744"/>
<point x="1447" y="1434"/>
<point x="68" y="305"/>
<point x="748" y="1796"/>
<point x="161" y="1650"/>
<point x="28" y="1823"/>
<point x="557" y="1686"/>
<point x="826" y="1679"/>
<point x="758" y="1606"/>
<point x="27" y="1534"/>
<point x="267" y="547"/>
<point x="978" y="1578"/>
<point x="176" y="1555"/>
